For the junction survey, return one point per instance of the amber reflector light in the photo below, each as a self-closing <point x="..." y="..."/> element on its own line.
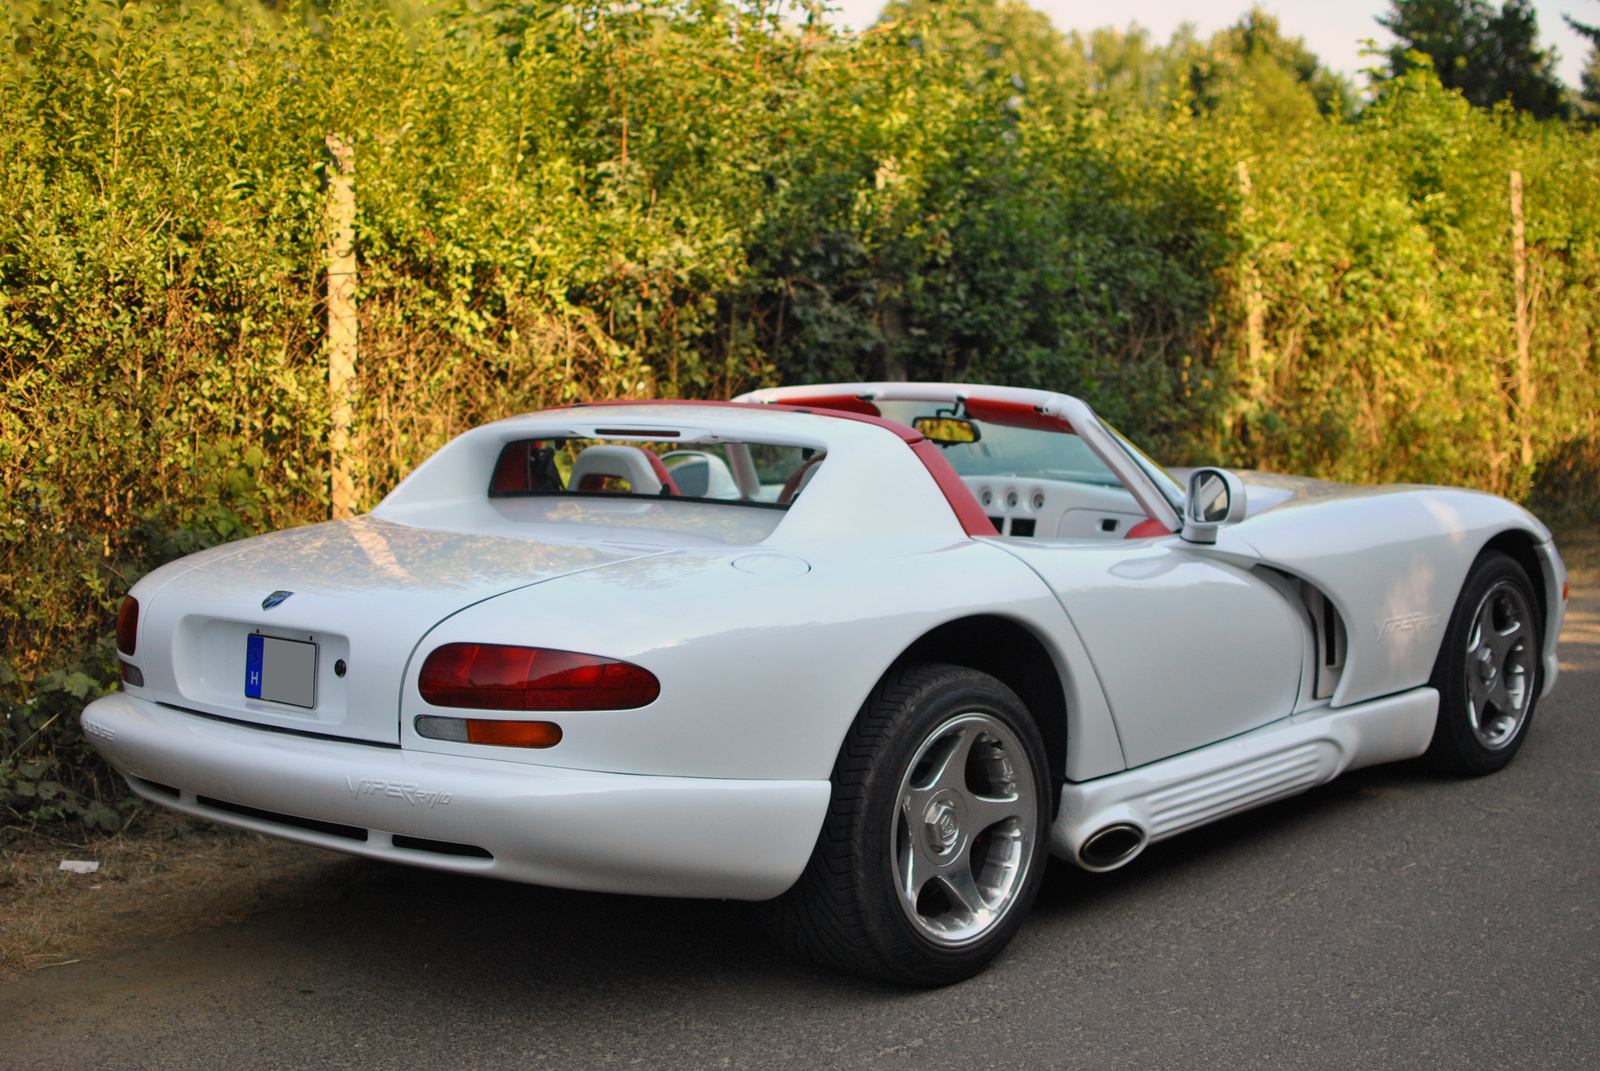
<point x="128" y="625"/>
<point x="484" y="731"/>
<point x="488" y="676"/>
<point x="513" y="733"/>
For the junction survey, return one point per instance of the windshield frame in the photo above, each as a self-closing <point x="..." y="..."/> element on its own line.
<point x="1165" y="482"/>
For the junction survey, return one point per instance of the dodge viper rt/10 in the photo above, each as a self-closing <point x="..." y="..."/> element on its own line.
<point x="861" y="652"/>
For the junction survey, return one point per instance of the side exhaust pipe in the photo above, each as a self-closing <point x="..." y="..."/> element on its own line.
<point x="1111" y="846"/>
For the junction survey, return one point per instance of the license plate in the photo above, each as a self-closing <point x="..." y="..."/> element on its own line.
<point x="281" y="671"/>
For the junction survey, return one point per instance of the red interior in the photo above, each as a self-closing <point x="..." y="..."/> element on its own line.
<point x="1014" y="415"/>
<point x="792" y="484"/>
<point x="842" y="403"/>
<point x="661" y="472"/>
<point x="511" y="470"/>
<point x="1146" y="528"/>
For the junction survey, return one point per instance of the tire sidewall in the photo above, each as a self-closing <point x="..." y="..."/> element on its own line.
<point x="958" y="692"/>
<point x="1455" y="748"/>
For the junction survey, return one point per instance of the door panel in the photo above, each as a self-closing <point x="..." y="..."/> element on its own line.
<point x="1189" y="648"/>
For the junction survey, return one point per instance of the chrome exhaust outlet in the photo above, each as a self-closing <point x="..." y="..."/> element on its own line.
<point x="1109" y="848"/>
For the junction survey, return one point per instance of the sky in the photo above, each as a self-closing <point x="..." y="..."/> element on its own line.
<point x="1333" y="29"/>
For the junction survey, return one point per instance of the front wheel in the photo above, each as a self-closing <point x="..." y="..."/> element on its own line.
<point x="1488" y="670"/>
<point x="934" y="844"/>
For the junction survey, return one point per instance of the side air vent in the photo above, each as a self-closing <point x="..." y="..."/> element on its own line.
<point x="1331" y="644"/>
<point x="332" y="829"/>
<point x="1329" y="641"/>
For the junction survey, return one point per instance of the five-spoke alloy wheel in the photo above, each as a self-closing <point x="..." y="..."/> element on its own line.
<point x="965" y="831"/>
<point x="935" y="839"/>
<point x="1487" y="673"/>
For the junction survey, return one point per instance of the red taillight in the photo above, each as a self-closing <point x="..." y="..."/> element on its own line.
<point x="490" y="676"/>
<point x="128" y="625"/>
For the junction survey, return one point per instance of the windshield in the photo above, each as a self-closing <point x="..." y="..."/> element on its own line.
<point x="1020" y="452"/>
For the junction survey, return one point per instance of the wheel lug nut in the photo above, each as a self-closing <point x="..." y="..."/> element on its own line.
<point x="941" y="826"/>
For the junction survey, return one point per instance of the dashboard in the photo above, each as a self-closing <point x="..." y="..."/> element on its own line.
<point x="1054" y="509"/>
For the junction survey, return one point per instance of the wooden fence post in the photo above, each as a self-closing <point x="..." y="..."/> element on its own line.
<point x="342" y="323"/>
<point x="1524" y="323"/>
<point x="1255" y="341"/>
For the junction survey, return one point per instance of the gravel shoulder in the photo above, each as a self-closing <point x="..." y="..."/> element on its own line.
<point x="166" y="879"/>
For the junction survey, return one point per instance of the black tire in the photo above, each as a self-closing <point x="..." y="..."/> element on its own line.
<point x="1488" y="678"/>
<point x="847" y="910"/>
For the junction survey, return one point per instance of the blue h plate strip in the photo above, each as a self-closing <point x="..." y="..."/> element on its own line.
<point x="252" y="665"/>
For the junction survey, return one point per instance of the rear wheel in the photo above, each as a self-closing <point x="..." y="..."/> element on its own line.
<point x="934" y="843"/>
<point x="1488" y="670"/>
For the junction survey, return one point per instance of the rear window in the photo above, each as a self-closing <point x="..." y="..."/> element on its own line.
<point x="763" y="475"/>
<point x="722" y="492"/>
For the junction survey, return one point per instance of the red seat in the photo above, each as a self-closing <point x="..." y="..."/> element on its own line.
<point x="1147" y="528"/>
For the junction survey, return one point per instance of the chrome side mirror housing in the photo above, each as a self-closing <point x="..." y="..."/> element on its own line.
<point x="1216" y="498"/>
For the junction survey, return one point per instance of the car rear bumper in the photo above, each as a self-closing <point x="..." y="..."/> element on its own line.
<point x="663" y="836"/>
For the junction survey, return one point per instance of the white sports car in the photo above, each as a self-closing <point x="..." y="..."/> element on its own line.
<point x="864" y="652"/>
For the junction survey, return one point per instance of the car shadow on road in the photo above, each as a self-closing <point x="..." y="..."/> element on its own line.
<point x="1069" y="889"/>
<point x="502" y="941"/>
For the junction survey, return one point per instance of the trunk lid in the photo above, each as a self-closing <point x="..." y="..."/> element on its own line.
<point x="363" y="592"/>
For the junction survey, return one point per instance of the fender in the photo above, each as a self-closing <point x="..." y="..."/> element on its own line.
<point x="1392" y="560"/>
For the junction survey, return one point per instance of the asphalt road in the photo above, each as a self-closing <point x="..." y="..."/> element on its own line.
<point x="1387" y="919"/>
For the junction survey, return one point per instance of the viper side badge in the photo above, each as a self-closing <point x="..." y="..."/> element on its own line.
<point x="274" y="599"/>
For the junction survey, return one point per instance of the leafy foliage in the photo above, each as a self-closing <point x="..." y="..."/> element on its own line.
<point x="1589" y="97"/>
<point x="997" y="42"/>
<point x="1253" y="60"/>
<point x="1491" y="56"/>
<point x="693" y="198"/>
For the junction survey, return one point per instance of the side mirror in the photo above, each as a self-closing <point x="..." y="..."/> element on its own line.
<point x="1216" y="498"/>
<point x="946" y="431"/>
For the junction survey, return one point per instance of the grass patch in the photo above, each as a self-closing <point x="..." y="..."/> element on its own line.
<point x="166" y="877"/>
